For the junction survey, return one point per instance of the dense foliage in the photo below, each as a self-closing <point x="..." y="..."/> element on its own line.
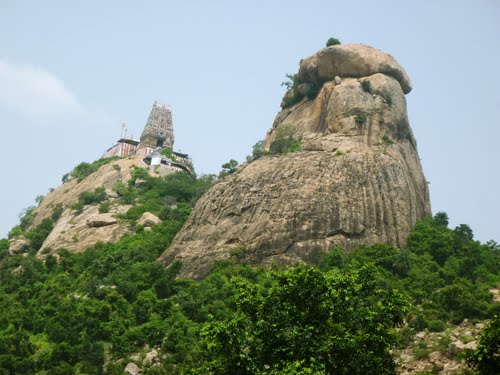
<point x="308" y="321"/>
<point x="486" y="357"/>
<point x="82" y="313"/>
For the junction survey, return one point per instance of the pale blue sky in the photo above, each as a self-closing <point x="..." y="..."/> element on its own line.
<point x="72" y="71"/>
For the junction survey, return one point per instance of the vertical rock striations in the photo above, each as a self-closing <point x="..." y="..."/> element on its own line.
<point x="357" y="179"/>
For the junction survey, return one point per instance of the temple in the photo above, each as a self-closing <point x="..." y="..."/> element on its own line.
<point x="159" y="130"/>
<point x="156" y="144"/>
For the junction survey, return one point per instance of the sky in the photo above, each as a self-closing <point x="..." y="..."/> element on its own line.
<point x="72" y="71"/>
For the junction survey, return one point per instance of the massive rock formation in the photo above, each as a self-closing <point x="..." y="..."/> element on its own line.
<point x="357" y="179"/>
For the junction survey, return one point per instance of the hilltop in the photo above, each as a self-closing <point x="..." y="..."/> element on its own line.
<point x="339" y="167"/>
<point x="319" y="255"/>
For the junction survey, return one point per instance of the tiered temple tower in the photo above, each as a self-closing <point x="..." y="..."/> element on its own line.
<point x="159" y="130"/>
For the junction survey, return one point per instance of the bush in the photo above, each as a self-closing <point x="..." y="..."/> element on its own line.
<point x="386" y="140"/>
<point x="84" y="169"/>
<point x="486" y="357"/>
<point x="38" y="234"/>
<point x="436" y="326"/>
<point x="56" y="212"/>
<point x="366" y="86"/>
<point x="4" y="248"/>
<point x="293" y="95"/>
<point x="77" y="207"/>
<point x="104" y="207"/>
<point x="387" y="97"/>
<point x="284" y="146"/>
<point x="312" y="91"/>
<point x="257" y="151"/>
<point x="360" y="119"/>
<point x="96" y="196"/>
<point x="26" y="217"/>
<point x="228" y="168"/>
<point x="332" y="42"/>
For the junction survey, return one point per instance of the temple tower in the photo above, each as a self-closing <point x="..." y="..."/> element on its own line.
<point x="159" y="130"/>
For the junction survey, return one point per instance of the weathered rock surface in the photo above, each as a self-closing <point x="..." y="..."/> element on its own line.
<point x="351" y="60"/>
<point x="132" y="369"/>
<point x="151" y="358"/>
<point x="100" y="220"/>
<point x="358" y="179"/>
<point x="439" y="352"/>
<point x="338" y="109"/>
<point x="148" y="220"/>
<point x="78" y="231"/>
<point x="18" y="245"/>
<point x="68" y="193"/>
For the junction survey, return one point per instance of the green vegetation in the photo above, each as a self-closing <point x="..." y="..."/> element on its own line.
<point x="332" y="42"/>
<point x="285" y="141"/>
<point x="312" y="90"/>
<point x="257" y="152"/>
<point x="169" y="153"/>
<point x="302" y="320"/>
<point x="83" y="170"/>
<point x="104" y="207"/>
<point x="360" y="119"/>
<point x="293" y="95"/>
<point x="486" y="357"/>
<point x="291" y="81"/>
<point x="388" y="98"/>
<point x="90" y="197"/>
<point x="87" y="313"/>
<point x="366" y="86"/>
<point x="386" y="140"/>
<point x="284" y="146"/>
<point x="228" y="168"/>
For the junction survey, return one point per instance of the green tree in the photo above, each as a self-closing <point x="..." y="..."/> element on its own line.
<point x="228" y="168"/>
<point x="308" y="320"/>
<point x="332" y="42"/>
<point x="486" y="357"/>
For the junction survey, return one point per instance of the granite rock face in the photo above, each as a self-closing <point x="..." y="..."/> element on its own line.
<point x="18" y="245"/>
<point x="77" y="231"/>
<point x="351" y="60"/>
<point x="148" y="220"/>
<point x="357" y="179"/>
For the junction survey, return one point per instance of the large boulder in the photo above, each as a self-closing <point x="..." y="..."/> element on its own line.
<point x="351" y="60"/>
<point x="289" y="209"/>
<point x="357" y="179"/>
<point x="148" y="220"/>
<point x="18" y="245"/>
<point x="100" y="220"/>
<point x="337" y="108"/>
<point x="132" y="369"/>
<point x="78" y="231"/>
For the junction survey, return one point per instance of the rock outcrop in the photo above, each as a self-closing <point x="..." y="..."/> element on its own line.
<point x="76" y="231"/>
<point x="351" y="60"/>
<point x="357" y="179"/>
<point x="148" y="220"/>
<point x="18" y="245"/>
<point x="79" y="231"/>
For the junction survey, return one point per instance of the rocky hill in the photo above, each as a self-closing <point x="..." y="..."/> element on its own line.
<point x="355" y="179"/>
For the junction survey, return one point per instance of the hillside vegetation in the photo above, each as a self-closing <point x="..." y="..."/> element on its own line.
<point x="94" y="312"/>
